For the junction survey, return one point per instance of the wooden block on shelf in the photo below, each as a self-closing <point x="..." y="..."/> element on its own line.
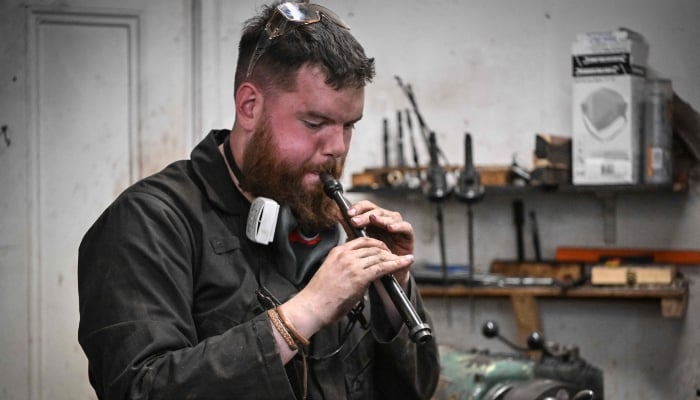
<point x="365" y="179"/>
<point x="493" y="175"/>
<point x="654" y="275"/>
<point x="609" y="276"/>
<point x="602" y="275"/>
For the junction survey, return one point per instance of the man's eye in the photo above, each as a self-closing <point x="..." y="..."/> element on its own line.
<point x="350" y="127"/>
<point x="313" y="124"/>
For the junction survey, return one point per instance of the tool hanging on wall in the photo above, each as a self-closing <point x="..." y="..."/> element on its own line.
<point x="424" y="130"/>
<point x="400" y="156"/>
<point x="414" y="150"/>
<point x="415" y="176"/>
<point x="519" y="221"/>
<point x="469" y="190"/>
<point x="434" y="185"/>
<point x="436" y="190"/>
<point x="393" y="174"/>
<point x="534" y="228"/>
<point x="387" y="163"/>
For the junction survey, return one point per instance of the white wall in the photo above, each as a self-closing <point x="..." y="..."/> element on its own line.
<point x="498" y="69"/>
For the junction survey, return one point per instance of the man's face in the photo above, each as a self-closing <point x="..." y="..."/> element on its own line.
<point x="302" y="134"/>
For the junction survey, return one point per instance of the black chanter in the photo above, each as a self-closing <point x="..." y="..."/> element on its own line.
<point x="419" y="331"/>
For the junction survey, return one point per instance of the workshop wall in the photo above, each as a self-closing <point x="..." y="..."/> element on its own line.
<point x="501" y="70"/>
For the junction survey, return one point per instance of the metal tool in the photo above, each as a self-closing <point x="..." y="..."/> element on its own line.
<point x="413" y="140"/>
<point x="535" y="236"/>
<point x="400" y="156"/>
<point x="386" y="143"/>
<point x="436" y="190"/>
<point x="519" y="220"/>
<point x="424" y="130"/>
<point x="469" y="190"/>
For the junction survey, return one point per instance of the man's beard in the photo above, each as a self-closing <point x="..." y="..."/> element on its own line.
<point x="265" y="175"/>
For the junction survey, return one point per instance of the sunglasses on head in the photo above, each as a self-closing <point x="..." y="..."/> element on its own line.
<point x="287" y="17"/>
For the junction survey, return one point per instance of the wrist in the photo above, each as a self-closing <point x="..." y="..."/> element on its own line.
<point x="301" y="317"/>
<point x="299" y="339"/>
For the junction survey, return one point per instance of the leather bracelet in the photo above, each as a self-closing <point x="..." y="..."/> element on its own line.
<point x="298" y="337"/>
<point x="279" y="325"/>
<point x="278" y="321"/>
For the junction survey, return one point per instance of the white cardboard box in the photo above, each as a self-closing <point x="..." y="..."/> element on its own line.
<point x="608" y="104"/>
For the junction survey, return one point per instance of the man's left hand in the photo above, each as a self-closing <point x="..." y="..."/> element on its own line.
<point x="387" y="226"/>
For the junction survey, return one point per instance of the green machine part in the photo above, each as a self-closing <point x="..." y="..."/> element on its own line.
<point x="470" y="375"/>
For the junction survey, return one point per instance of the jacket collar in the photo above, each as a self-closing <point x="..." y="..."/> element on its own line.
<point x="210" y="168"/>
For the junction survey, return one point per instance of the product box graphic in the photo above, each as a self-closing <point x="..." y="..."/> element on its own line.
<point x="608" y="105"/>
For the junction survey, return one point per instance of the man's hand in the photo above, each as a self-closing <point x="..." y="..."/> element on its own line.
<point x="350" y="268"/>
<point x="387" y="226"/>
<point x="342" y="280"/>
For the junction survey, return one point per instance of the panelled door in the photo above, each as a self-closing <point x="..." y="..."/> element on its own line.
<point x="93" y="95"/>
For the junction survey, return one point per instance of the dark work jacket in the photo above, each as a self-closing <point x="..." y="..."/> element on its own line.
<point x="168" y="310"/>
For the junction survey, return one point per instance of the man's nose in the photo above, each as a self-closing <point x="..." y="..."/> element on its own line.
<point x="334" y="142"/>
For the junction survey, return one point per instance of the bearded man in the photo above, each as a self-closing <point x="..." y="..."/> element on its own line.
<point x="176" y="301"/>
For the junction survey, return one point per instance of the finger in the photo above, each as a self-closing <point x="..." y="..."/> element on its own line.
<point x="387" y="265"/>
<point x="377" y="218"/>
<point x="362" y="253"/>
<point x="392" y="224"/>
<point x="366" y="243"/>
<point x="361" y="211"/>
<point x="361" y="207"/>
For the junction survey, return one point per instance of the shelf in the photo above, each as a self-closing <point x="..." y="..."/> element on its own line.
<point x="676" y="292"/>
<point x="516" y="190"/>
<point x="673" y="298"/>
<point x="607" y="194"/>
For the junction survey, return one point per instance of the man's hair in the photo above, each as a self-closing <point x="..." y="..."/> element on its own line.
<point x="323" y="44"/>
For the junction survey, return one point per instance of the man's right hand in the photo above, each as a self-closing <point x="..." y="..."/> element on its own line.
<point x="340" y="283"/>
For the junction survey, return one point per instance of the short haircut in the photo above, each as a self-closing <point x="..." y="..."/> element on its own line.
<point x="323" y="44"/>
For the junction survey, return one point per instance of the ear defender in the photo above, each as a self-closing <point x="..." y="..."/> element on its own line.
<point x="262" y="220"/>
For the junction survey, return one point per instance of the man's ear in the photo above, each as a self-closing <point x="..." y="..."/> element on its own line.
<point x="249" y="106"/>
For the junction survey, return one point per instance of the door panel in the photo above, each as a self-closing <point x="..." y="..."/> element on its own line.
<point x="102" y="97"/>
<point x="84" y="158"/>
